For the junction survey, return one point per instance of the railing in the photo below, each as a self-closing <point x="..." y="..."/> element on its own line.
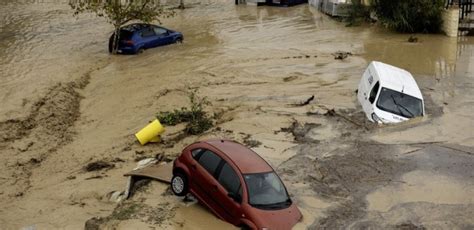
<point x="465" y="6"/>
<point x="449" y="3"/>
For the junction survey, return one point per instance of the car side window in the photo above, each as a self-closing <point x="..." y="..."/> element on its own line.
<point x="209" y="161"/>
<point x="373" y="93"/>
<point x="195" y="153"/>
<point x="159" y="31"/>
<point x="148" y="32"/>
<point x="229" y="179"/>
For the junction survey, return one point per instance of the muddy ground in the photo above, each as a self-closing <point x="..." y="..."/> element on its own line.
<point x="69" y="111"/>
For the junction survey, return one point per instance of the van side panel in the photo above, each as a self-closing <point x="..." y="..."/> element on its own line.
<point x="369" y="78"/>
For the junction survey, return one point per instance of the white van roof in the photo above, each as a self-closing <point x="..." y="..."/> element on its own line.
<point x="397" y="79"/>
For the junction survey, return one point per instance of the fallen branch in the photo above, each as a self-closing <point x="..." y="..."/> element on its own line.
<point x="332" y="112"/>
<point x="307" y="101"/>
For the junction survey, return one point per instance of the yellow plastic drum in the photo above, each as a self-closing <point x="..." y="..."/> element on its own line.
<point x="151" y="132"/>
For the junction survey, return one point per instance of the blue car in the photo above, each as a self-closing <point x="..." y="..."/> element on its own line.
<point x="135" y="38"/>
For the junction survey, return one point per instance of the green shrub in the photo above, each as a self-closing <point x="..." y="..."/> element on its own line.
<point x="357" y="13"/>
<point x="198" y="121"/>
<point x="410" y="16"/>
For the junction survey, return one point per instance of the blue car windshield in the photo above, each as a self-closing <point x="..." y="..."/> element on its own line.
<point x="399" y="103"/>
<point x="266" y="191"/>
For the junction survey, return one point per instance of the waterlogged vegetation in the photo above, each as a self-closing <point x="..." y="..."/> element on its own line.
<point x="405" y="16"/>
<point x="410" y="16"/>
<point x="198" y="120"/>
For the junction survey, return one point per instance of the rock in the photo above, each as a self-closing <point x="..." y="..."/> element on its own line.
<point x="93" y="223"/>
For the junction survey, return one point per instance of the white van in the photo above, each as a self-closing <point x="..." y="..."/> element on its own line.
<point x="389" y="94"/>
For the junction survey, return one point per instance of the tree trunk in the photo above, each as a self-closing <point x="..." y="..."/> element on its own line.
<point x="115" y="42"/>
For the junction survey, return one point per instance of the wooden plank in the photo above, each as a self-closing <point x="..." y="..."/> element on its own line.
<point x="159" y="172"/>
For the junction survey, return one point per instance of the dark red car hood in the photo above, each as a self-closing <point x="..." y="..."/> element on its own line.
<point x="283" y="219"/>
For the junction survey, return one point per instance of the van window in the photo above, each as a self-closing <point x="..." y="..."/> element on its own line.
<point x="373" y="93"/>
<point x="228" y="179"/>
<point x="209" y="161"/>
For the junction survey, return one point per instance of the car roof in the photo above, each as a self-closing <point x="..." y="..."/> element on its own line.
<point x="244" y="158"/>
<point x="137" y="26"/>
<point x="396" y="78"/>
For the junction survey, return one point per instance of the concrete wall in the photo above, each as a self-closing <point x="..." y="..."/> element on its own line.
<point x="451" y="22"/>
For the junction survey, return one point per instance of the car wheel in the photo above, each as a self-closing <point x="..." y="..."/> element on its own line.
<point x="179" y="40"/>
<point x="245" y="227"/>
<point x="140" y="50"/>
<point x="179" y="184"/>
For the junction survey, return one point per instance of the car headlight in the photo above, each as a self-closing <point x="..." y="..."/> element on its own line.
<point x="376" y="118"/>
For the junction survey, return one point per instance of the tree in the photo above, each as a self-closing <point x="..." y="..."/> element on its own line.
<point x="120" y="12"/>
<point x="410" y="16"/>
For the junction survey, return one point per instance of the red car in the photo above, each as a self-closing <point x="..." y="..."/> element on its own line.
<point x="236" y="184"/>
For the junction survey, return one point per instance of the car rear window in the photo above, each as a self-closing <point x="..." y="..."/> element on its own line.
<point x="125" y="35"/>
<point x="209" y="161"/>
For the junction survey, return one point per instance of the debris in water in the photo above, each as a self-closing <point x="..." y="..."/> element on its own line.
<point x="94" y="177"/>
<point x="290" y="78"/>
<point x="341" y="55"/>
<point x="330" y="113"/>
<point x="299" y="131"/>
<point x="98" y="165"/>
<point x="150" y="133"/>
<point x="251" y="143"/>
<point x="412" y="39"/>
<point x="410" y="226"/>
<point x="307" y="101"/>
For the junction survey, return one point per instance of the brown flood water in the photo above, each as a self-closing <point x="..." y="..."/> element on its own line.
<point x="252" y="62"/>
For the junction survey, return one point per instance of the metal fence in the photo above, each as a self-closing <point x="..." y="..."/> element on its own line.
<point x="465" y="6"/>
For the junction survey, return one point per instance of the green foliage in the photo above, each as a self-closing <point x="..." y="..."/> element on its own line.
<point x="357" y="13"/>
<point x="410" y="16"/>
<point x="120" y="12"/>
<point x="198" y="121"/>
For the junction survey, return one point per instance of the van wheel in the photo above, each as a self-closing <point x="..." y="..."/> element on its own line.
<point x="179" y="184"/>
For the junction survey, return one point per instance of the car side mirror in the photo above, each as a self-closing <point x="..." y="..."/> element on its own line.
<point x="235" y="197"/>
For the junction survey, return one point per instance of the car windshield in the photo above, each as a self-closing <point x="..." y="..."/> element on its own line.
<point x="400" y="103"/>
<point x="266" y="191"/>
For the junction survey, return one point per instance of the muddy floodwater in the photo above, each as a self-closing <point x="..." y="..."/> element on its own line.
<point x="65" y="102"/>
